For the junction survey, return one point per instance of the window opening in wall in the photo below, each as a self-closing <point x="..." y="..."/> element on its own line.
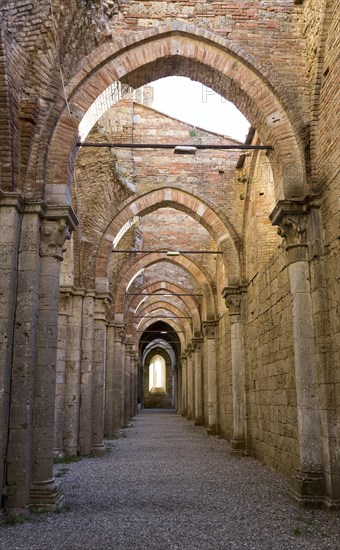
<point x="200" y="106"/>
<point x="157" y="376"/>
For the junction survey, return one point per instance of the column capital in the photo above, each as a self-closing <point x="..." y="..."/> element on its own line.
<point x="197" y="343"/>
<point x="291" y="217"/>
<point x="233" y="298"/>
<point x="209" y="328"/>
<point x="56" y="226"/>
<point x="10" y="199"/>
<point x="119" y="329"/>
<point x="102" y="301"/>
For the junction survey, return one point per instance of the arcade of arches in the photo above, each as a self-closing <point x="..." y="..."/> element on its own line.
<point x="208" y="283"/>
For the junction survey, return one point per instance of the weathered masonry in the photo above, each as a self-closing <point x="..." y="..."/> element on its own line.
<point x="208" y="283"/>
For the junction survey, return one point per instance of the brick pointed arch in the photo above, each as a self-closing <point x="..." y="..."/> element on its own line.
<point x="233" y="74"/>
<point x="169" y="287"/>
<point x="225" y="236"/>
<point x="128" y="271"/>
<point x="175" y="325"/>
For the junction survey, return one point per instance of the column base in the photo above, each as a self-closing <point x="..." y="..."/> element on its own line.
<point x="189" y="417"/>
<point x="211" y="430"/>
<point x="198" y="422"/>
<point x="308" y="489"/>
<point x="98" y="450"/>
<point x="46" y="495"/>
<point x="237" y="447"/>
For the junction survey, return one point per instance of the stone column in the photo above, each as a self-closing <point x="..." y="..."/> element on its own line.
<point x="27" y="271"/>
<point x="55" y="228"/>
<point x="179" y="389"/>
<point x="134" y="380"/>
<point x="118" y="377"/>
<point x="11" y="206"/>
<point x="184" y="408"/>
<point x="99" y="356"/>
<point x="233" y="300"/>
<point x="127" y="387"/>
<point x="190" y="378"/>
<point x="122" y="365"/>
<point x="60" y="376"/>
<point x="292" y="219"/>
<point x="72" y="372"/>
<point x="209" y="331"/>
<point x="109" y="381"/>
<point x="86" y="375"/>
<point x="198" y="413"/>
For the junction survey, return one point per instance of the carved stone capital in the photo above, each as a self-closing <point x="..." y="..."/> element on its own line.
<point x="119" y="332"/>
<point x="292" y="218"/>
<point x="56" y="226"/>
<point x="233" y="299"/>
<point x="197" y="344"/>
<point x="209" y="328"/>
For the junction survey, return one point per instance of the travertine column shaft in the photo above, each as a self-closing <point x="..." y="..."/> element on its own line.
<point x="60" y="376"/>
<point x="99" y="357"/>
<point x="122" y="394"/>
<point x="86" y="375"/>
<point x="209" y="330"/>
<point x="190" y="377"/>
<point x="292" y="218"/>
<point x="11" y="205"/>
<point x="198" y="416"/>
<point x="55" y="228"/>
<point x="233" y="297"/>
<point x="72" y="373"/>
<point x="118" y="377"/>
<point x="179" y="390"/>
<point x="23" y="362"/>
<point x="109" y="381"/>
<point x="127" y="386"/>
<point x="184" y="410"/>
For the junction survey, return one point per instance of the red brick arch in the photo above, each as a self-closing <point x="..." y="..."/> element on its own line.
<point x="223" y="234"/>
<point x="190" y="302"/>
<point x="181" y="326"/>
<point x="130" y="269"/>
<point x="182" y="332"/>
<point x="198" y="54"/>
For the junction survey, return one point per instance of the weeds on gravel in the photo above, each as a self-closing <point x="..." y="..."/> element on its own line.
<point x="306" y="526"/>
<point x="15" y="520"/>
<point x="63" y="471"/>
<point x="66" y="459"/>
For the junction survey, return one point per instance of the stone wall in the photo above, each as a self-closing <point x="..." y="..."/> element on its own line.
<point x="271" y="392"/>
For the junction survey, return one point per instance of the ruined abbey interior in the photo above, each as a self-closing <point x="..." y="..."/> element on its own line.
<point x="204" y="282"/>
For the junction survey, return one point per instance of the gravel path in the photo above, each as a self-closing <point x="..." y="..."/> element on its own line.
<point x="166" y="485"/>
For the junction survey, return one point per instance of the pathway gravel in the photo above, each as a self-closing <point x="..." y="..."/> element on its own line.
<point x="167" y="485"/>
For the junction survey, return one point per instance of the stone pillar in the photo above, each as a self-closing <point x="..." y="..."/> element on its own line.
<point x="11" y="206"/>
<point x="209" y="331"/>
<point x="122" y="366"/>
<point x="118" y="377"/>
<point x="184" y="408"/>
<point x="109" y="381"/>
<point x="72" y="372"/>
<point x="190" y="378"/>
<point x="292" y="219"/>
<point x="25" y="311"/>
<point x="179" y="389"/>
<point x="60" y="376"/>
<point x="198" y="413"/>
<point x="134" y="386"/>
<point x="86" y="375"/>
<point x="55" y="228"/>
<point x="233" y="300"/>
<point x="99" y="357"/>
<point x="127" y="387"/>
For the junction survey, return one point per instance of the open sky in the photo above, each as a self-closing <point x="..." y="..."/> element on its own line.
<point x="198" y="105"/>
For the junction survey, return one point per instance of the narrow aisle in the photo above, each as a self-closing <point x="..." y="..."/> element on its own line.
<point x="166" y="485"/>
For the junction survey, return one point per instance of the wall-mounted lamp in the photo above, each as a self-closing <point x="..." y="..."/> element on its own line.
<point x="185" y="150"/>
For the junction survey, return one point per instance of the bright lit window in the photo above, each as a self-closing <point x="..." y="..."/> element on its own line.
<point x="157" y="377"/>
